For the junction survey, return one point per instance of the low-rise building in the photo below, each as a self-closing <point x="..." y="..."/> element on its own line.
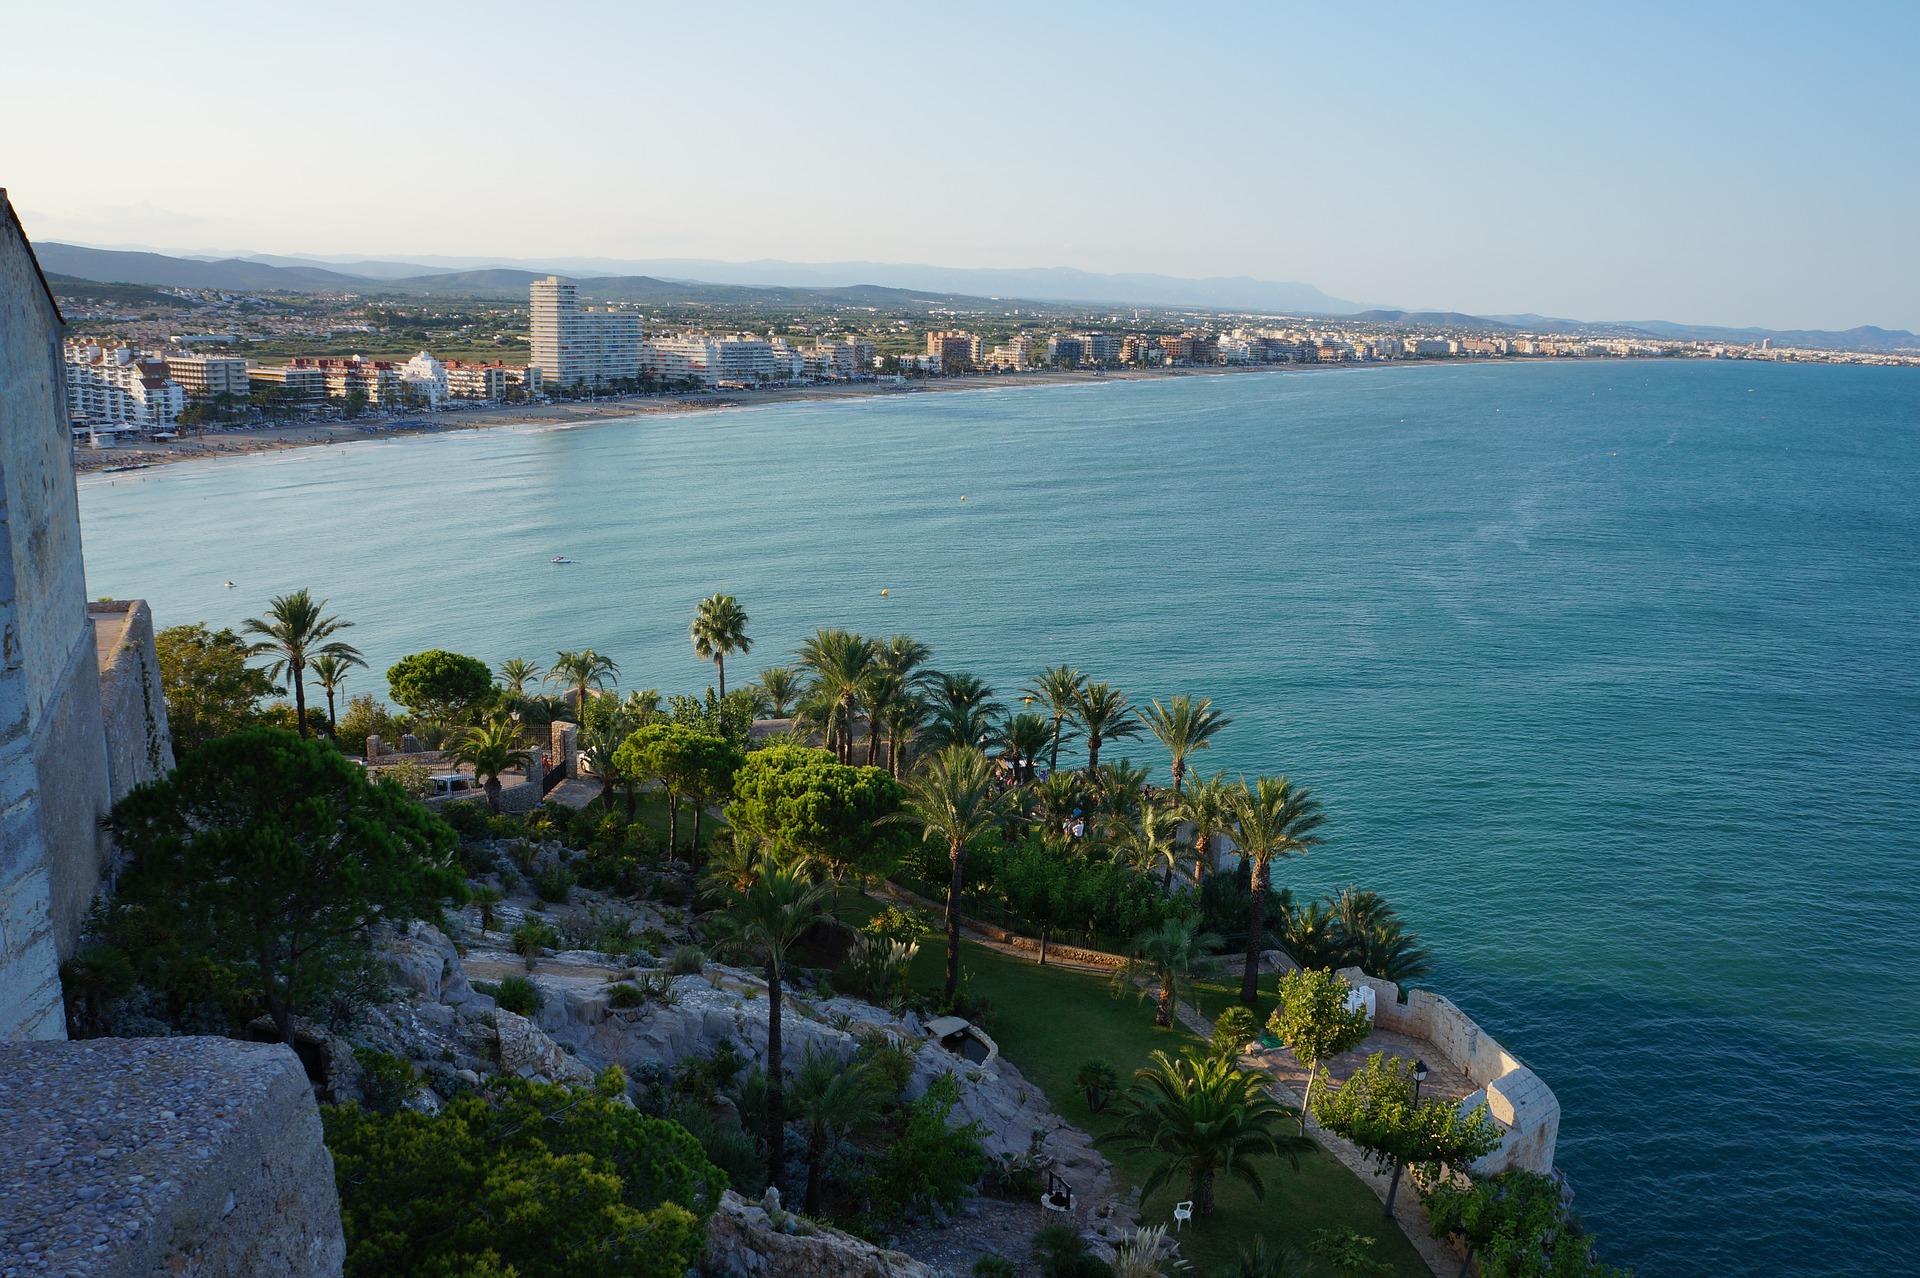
<point x="426" y="377"/>
<point x="210" y="375"/>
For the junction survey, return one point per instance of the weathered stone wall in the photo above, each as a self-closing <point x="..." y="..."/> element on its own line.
<point x="53" y="764"/>
<point x="161" y="1157"/>
<point x="1517" y="1097"/>
<point x="133" y="707"/>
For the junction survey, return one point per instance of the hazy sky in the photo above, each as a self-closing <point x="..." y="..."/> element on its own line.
<point x="1713" y="163"/>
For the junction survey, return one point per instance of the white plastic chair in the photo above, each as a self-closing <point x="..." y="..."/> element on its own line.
<point x="1182" y="1213"/>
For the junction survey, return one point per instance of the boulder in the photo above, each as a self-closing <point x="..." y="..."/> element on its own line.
<point x="745" y="1238"/>
<point x="527" y="1052"/>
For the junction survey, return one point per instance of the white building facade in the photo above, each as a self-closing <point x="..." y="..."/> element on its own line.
<point x="575" y="345"/>
<point x="121" y="386"/>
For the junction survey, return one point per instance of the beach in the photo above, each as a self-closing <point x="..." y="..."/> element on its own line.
<point x="242" y="441"/>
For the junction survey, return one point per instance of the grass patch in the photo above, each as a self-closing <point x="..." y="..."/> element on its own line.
<point x="1049" y="1021"/>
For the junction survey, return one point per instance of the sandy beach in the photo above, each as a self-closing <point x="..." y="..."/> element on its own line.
<point x="240" y="441"/>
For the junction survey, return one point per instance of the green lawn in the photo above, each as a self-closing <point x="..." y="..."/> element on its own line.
<point x="1049" y="1021"/>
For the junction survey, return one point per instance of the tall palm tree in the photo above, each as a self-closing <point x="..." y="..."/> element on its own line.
<point x="719" y="630"/>
<point x="831" y="1098"/>
<point x="489" y="750"/>
<point x="906" y="657"/>
<point x="292" y="634"/>
<point x="1205" y="806"/>
<point x="952" y="799"/>
<point x="580" y="673"/>
<point x="1059" y="687"/>
<point x="765" y="921"/>
<point x="598" y="745"/>
<point x="878" y="691"/>
<point x="1272" y="819"/>
<point x="1164" y="956"/>
<point x="1202" y="1116"/>
<point x="777" y="688"/>
<point x="330" y="672"/>
<point x="1106" y="716"/>
<point x="903" y="716"/>
<point x="837" y="661"/>
<point x="961" y="711"/>
<point x="1022" y="738"/>
<point x="1355" y="912"/>
<point x="1183" y="726"/>
<point x="1392" y="953"/>
<point x="516" y="673"/>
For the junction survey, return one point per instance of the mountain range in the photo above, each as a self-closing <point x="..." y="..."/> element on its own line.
<point x="702" y="280"/>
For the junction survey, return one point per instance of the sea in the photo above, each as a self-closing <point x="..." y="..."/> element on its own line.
<point x="1607" y="673"/>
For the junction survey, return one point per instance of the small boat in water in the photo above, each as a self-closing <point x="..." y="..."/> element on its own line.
<point x="559" y="559"/>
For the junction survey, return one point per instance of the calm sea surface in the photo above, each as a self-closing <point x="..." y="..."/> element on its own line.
<point x="1608" y="673"/>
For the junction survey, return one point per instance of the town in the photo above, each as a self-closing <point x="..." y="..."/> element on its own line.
<point x="136" y="371"/>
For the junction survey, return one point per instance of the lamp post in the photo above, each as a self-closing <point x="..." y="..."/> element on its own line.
<point x="1419" y="1077"/>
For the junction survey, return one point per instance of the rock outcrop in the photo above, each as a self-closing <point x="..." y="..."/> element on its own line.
<point x="746" y="1239"/>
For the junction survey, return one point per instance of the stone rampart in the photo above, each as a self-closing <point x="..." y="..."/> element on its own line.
<point x="1518" y="1098"/>
<point x="161" y="1157"/>
<point x="132" y="705"/>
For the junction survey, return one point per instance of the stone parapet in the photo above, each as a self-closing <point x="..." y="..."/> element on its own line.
<point x="162" y="1157"/>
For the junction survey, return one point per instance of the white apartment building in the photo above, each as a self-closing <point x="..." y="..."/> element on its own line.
<point x="573" y="345"/>
<point x="210" y="374"/>
<point x="734" y="357"/>
<point x="427" y="376"/>
<point x="121" y="386"/>
<point x="1099" y="348"/>
<point x="851" y="357"/>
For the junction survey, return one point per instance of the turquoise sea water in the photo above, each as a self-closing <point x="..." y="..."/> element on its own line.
<point x="1608" y="674"/>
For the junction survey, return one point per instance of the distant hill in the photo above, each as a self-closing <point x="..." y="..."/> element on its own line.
<point x="1865" y="338"/>
<point x="117" y="267"/>
<point x="67" y="287"/>
<point x="1440" y="319"/>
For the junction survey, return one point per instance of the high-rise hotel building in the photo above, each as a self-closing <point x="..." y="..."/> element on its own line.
<point x="572" y="345"/>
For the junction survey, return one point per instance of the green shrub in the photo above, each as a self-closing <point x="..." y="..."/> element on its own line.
<point x="727" y="1145"/>
<point x="624" y="996"/>
<point x="532" y="936"/>
<point x="505" y="827"/>
<point x="687" y="960"/>
<point x="1097" y="1081"/>
<point x="519" y="995"/>
<point x="468" y="817"/>
<point x="545" y="1180"/>
<point x="1062" y="1253"/>
<point x="995" y="1267"/>
<point x="554" y="884"/>
<point x="890" y="1061"/>
<point x="386" y="1081"/>
<point x="1232" y="1032"/>
<point x="928" y="1163"/>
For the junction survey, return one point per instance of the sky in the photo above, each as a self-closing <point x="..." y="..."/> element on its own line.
<point x="1745" y="164"/>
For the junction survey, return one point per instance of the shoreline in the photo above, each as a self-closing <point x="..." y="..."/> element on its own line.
<point x="250" y="441"/>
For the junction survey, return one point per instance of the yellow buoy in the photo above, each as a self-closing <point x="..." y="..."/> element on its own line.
<point x="963" y="496"/>
<point x="886" y="592"/>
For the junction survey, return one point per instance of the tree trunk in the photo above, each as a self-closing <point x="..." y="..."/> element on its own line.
<point x="493" y="795"/>
<point x="1179" y="770"/>
<point x="1053" y="760"/>
<point x="673" y="824"/>
<point x="776" y="1093"/>
<point x="282" y="1015"/>
<point x="958" y="856"/>
<point x="333" y="728"/>
<point x="1202" y="1191"/>
<point x="720" y="664"/>
<point x="873" y="741"/>
<point x="298" y="670"/>
<point x="816" y="1169"/>
<point x="696" y="831"/>
<point x="1043" y="946"/>
<point x="1393" y="1187"/>
<point x="1093" y="755"/>
<point x="1256" y="924"/>
<point x="1306" y="1097"/>
<point x="1163" y="1006"/>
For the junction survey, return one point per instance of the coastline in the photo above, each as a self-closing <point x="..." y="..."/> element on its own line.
<point x="247" y="441"/>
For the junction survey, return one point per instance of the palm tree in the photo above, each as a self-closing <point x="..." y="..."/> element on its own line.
<point x="1022" y="739"/>
<point x="1060" y="688"/>
<point x="1164" y="957"/>
<point x="1184" y="726"/>
<point x="1392" y="953"/>
<point x="1117" y="792"/>
<point x="490" y="750"/>
<point x="838" y="661"/>
<point x="330" y="672"/>
<point x="598" y="745"/>
<point x="962" y="712"/>
<point x="903" y="716"/>
<point x="1255" y="1261"/>
<point x="1055" y="801"/>
<point x="831" y="1098"/>
<point x="1201" y="1116"/>
<point x="1149" y="844"/>
<point x="777" y="688"/>
<point x="1106" y="716"/>
<point x="952" y="798"/>
<point x="1206" y="808"/>
<point x="1355" y="912"/>
<point x="1272" y="819"/>
<point x="906" y="657"/>
<point x="719" y="630"/>
<point x="582" y="672"/>
<point x="1314" y="939"/>
<point x="293" y="633"/>
<point x="516" y="673"/>
<point x="878" y="691"/>
<point x="765" y="921"/>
